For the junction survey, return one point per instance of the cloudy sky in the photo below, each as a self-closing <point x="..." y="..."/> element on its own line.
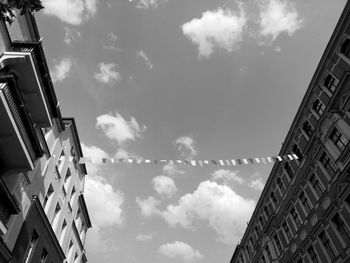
<point x="168" y="79"/>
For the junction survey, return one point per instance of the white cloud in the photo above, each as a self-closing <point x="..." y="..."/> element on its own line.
<point x="146" y="4"/>
<point x="143" y="237"/>
<point x="118" y="128"/>
<point x="73" y="12"/>
<point x="216" y="29"/>
<point x="107" y="74"/>
<point x="148" y="206"/>
<point x="186" y="146"/>
<point x="276" y="17"/>
<point x="105" y="210"/>
<point x="143" y="55"/>
<point x="70" y="35"/>
<point x="181" y="250"/>
<point x="224" y="210"/>
<point x="61" y="69"/>
<point x="164" y="185"/>
<point x="171" y="169"/>
<point x="227" y="176"/>
<point x="257" y="184"/>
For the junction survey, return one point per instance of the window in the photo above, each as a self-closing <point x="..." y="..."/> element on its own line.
<point x="256" y="231"/>
<point x="68" y="175"/>
<point x="266" y="211"/>
<point x="63" y="230"/>
<point x="48" y="195"/>
<point x="296" y="217"/>
<point x="248" y="250"/>
<point x="328" y="164"/>
<point x="318" y="107"/>
<point x="268" y="253"/>
<point x="312" y="254"/>
<point x="278" y="243"/>
<point x="274" y="199"/>
<point x="342" y="229"/>
<point x="307" y="128"/>
<point x="287" y="231"/>
<point x="261" y="220"/>
<point x="72" y="196"/>
<point x="327" y="245"/>
<point x="289" y="170"/>
<point x="305" y="202"/>
<point x="43" y="256"/>
<point x="298" y="152"/>
<point x="316" y="185"/>
<point x="75" y="257"/>
<point x="263" y="259"/>
<point x="61" y="159"/>
<point x="31" y="246"/>
<point x="345" y="48"/>
<point x="281" y="184"/>
<point x="55" y="215"/>
<point x="339" y="140"/>
<point x="330" y="83"/>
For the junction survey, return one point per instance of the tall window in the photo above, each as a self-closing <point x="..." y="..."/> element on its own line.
<point x="327" y="245"/>
<point x="281" y="185"/>
<point x="339" y="140"/>
<point x="312" y="254"/>
<point x="345" y="48"/>
<point x="61" y="159"/>
<point x="266" y="211"/>
<point x="68" y="176"/>
<point x="31" y="247"/>
<point x="305" y="202"/>
<point x="289" y="170"/>
<point x="48" y="196"/>
<point x="307" y="128"/>
<point x="318" y="107"/>
<point x="342" y="228"/>
<point x="268" y="253"/>
<point x="56" y="215"/>
<point x="43" y="256"/>
<point x="296" y="217"/>
<point x="278" y="243"/>
<point x="274" y="199"/>
<point x="316" y="185"/>
<point x="330" y="83"/>
<point x="328" y="164"/>
<point x="287" y="231"/>
<point x="298" y="152"/>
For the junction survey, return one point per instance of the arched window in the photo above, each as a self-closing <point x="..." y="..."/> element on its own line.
<point x="345" y="48"/>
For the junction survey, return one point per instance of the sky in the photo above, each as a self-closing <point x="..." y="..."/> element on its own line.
<point x="176" y="79"/>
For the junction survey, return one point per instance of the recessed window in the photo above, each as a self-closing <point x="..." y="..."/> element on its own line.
<point x="281" y="184"/>
<point x="330" y="83"/>
<point x="305" y="202"/>
<point x="312" y="254"/>
<point x="342" y="228"/>
<point x="328" y="164"/>
<point x="289" y="171"/>
<point x="31" y="247"/>
<point x="48" y="196"/>
<point x="316" y="185"/>
<point x="61" y="159"/>
<point x="268" y="253"/>
<point x="43" y="256"/>
<point x="327" y="245"/>
<point x="287" y="230"/>
<point x="338" y="139"/>
<point x="273" y="198"/>
<point x="307" y="128"/>
<point x="345" y="48"/>
<point x="266" y="211"/>
<point x="295" y="217"/>
<point x="68" y="175"/>
<point x="298" y="152"/>
<point x="278" y="243"/>
<point x="318" y="107"/>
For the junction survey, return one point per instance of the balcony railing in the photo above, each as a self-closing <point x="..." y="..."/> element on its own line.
<point x="19" y="146"/>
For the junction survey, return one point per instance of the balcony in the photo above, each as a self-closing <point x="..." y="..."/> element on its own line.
<point x="23" y="63"/>
<point x="19" y="146"/>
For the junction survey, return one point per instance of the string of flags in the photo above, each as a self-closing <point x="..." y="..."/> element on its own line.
<point x="201" y="163"/>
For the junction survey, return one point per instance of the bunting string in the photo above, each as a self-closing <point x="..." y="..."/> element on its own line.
<point x="199" y="163"/>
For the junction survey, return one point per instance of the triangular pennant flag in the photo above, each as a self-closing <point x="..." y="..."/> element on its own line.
<point x="179" y="161"/>
<point x="279" y="158"/>
<point x="295" y="156"/>
<point x="228" y="163"/>
<point x="233" y="162"/>
<point x="269" y="159"/>
<point x="112" y="160"/>
<point x="187" y="162"/>
<point x="130" y="160"/>
<point x="82" y="160"/>
<point x="214" y="162"/>
<point x="221" y="162"/>
<point x="245" y="161"/>
<point x="239" y="161"/>
<point x="251" y="160"/>
<point x="257" y="160"/>
<point x="193" y="162"/>
<point x="200" y="163"/>
<point x="155" y="162"/>
<point x="290" y="157"/>
<point x="206" y="162"/>
<point x="147" y="161"/>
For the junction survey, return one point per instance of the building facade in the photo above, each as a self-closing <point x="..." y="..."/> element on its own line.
<point x="43" y="215"/>
<point x="303" y="214"/>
